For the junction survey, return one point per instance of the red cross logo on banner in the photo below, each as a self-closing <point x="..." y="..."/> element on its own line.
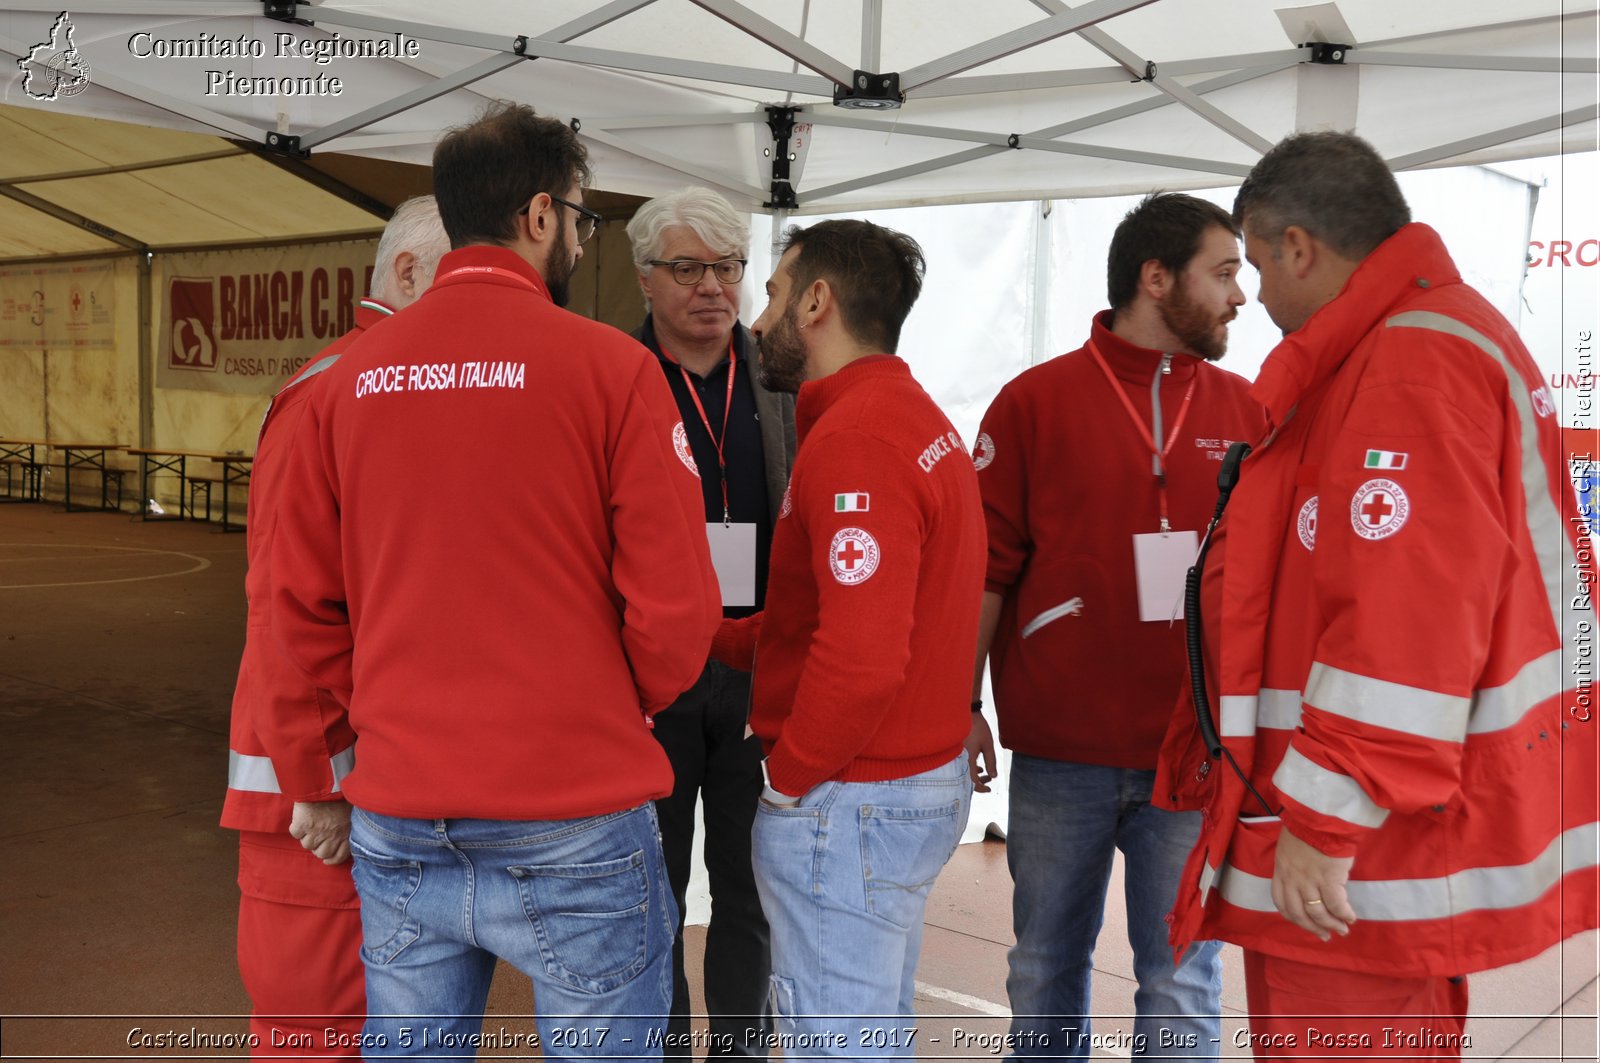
<point x="1379" y="509"/>
<point x="853" y="556"/>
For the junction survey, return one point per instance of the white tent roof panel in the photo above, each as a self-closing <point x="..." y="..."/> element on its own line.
<point x="674" y="91"/>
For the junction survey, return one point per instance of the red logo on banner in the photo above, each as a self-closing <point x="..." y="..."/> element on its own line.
<point x="193" y="315"/>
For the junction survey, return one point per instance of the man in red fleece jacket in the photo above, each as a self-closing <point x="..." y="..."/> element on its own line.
<point x="502" y="645"/>
<point x="859" y="691"/>
<point x="1098" y="468"/>
<point x="299" y="923"/>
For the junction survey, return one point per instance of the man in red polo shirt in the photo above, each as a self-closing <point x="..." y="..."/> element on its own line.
<point x="859" y="693"/>
<point x="496" y="553"/>
<point x="299" y="924"/>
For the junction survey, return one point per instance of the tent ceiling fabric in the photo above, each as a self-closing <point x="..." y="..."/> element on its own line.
<point x="156" y="188"/>
<point x="1032" y="99"/>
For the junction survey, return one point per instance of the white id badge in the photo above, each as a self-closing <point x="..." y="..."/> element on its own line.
<point x="733" y="554"/>
<point x="1161" y="560"/>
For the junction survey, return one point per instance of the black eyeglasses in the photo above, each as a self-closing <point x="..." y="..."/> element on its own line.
<point x="689" y="271"/>
<point x="588" y="220"/>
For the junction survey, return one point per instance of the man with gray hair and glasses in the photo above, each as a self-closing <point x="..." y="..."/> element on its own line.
<point x="690" y="248"/>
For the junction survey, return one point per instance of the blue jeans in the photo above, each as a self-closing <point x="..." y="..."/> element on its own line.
<point x="844" y="878"/>
<point x="580" y="906"/>
<point x="1066" y="821"/>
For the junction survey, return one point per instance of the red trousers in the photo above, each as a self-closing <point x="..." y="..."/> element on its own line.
<point x="299" y="949"/>
<point x="1301" y="1011"/>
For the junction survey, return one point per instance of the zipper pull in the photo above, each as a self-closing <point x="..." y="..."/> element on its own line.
<point x="1166" y="365"/>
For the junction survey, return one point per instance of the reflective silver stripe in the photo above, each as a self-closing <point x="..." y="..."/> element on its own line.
<point x="1280" y="709"/>
<point x="1496" y="708"/>
<point x="1326" y="791"/>
<point x="1274" y="709"/>
<point x="373" y="304"/>
<point x="343" y="764"/>
<point x="1551" y="548"/>
<point x="1380" y="703"/>
<point x="1238" y="716"/>
<point x="1474" y="889"/>
<point x="256" y="775"/>
<point x="318" y="366"/>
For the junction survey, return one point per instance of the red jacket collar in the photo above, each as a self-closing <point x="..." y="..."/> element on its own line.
<point x="1413" y="258"/>
<point x="370" y="311"/>
<point x="817" y="395"/>
<point x="488" y="264"/>
<point x="1132" y="363"/>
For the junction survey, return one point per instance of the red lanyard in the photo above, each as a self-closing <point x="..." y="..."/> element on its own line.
<point x="1138" y="422"/>
<point x="727" y="408"/>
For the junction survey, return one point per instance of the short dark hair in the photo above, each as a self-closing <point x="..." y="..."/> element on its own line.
<point x="488" y="170"/>
<point x="1165" y="226"/>
<point x="1335" y="186"/>
<point x="875" y="273"/>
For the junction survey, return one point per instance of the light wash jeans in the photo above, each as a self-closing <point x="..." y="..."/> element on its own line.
<point x="844" y="878"/>
<point x="1066" y="821"/>
<point x="581" y="906"/>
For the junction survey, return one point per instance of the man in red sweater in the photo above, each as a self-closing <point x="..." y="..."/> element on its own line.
<point x="299" y="923"/>
<point x="859" y="687"/>
<point x="495" y="554"/>
<point x="1098" y="468"/>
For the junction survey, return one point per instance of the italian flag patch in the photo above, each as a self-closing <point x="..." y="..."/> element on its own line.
<point x="1385" y="459"/>
<point x="855" y="502"/>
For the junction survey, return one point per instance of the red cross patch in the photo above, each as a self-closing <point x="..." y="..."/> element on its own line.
<point x="680" y="443"/>
<point x="853" y="555"/>
<point x="1306" y="526"/>
<point x="1379" y="509"/>
<point x="982" y="452"/>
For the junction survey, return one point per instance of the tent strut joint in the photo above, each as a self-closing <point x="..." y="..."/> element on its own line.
<point x="286" y="144"/>
<point x="283" y="11"/>
<point x="1014" y="141"/>
<point x="868" y="91"/>
<point x="1327" y="54"/>
<point x="1149" y="72"/>
<point x="781" y="121"/>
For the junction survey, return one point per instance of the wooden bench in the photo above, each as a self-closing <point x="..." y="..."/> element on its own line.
<point x="31" y="474"/>
<point x="198" y="486"/>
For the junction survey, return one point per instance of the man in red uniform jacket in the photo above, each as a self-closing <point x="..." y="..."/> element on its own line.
<point x="495" y="551"/>
<point x="1098" y="470"/>
<point x="859" y="688"/>
<point x="299" y="927"/>
<point x="1392" y="606"/>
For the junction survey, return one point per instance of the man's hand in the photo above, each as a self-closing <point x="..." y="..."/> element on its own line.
<point x="1308" y="888"/>
<point x="324" y="828"/>
<point x="981" y="742"/>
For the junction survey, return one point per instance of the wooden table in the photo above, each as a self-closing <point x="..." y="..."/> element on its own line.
<point x="235" y="470"/>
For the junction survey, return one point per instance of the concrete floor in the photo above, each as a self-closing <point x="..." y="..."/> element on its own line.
<point x="118" y="646"/>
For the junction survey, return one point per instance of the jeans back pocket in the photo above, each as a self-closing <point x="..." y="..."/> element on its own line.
<point x="387" y="885"/>
<point x="902" y="852"/>
<point x="592" y="921"/>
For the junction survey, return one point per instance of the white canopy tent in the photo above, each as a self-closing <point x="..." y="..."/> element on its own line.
<point x="826" y="106"/>
<point x="812" y="107"/>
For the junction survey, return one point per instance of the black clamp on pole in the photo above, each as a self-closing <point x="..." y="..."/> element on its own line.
<point x="283" y="11"/>
<point x="781" y="121"/>
<point x="1328" y="54"/>
<point x="286" y="144"/>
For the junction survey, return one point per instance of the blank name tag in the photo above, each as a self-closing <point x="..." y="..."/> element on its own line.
<point x="1161" y="560"/>
<point x="733" y="554"/>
